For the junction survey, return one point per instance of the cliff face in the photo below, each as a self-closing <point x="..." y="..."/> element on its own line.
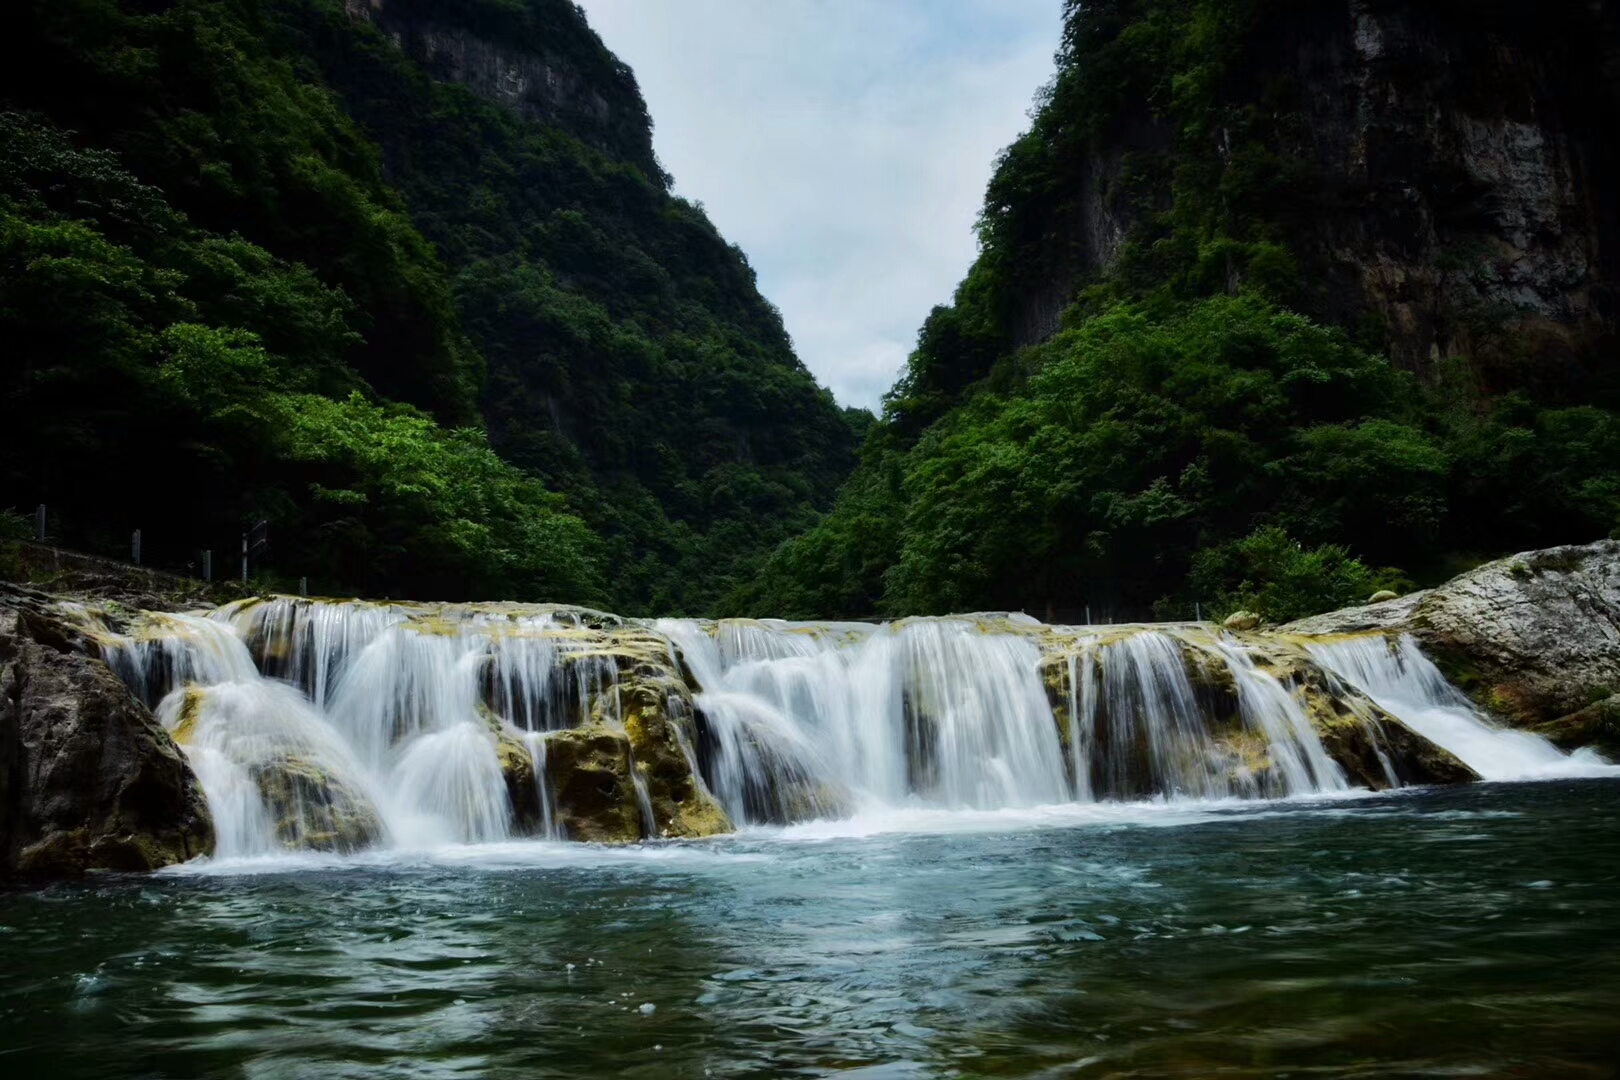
<point x="1445" y="172"/>
<point x="544" y="63"/>
<point x="1466" y="167"/>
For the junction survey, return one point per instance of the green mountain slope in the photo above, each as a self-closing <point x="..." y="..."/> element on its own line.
<point x="1276" y="303"/>
<point x="379" y="243"/>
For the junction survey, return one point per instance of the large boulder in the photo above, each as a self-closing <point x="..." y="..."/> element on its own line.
<point x="88" y="778"/>
<point x="1533" y="638"/>
<point x="313" y="808"/>
<point x="588" y="772"/>
<point x="659" y="718"/>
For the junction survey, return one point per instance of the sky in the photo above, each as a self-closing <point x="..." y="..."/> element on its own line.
<point x="844" y="145"/>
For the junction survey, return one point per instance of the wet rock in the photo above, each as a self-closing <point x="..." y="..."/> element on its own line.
<point x="1375" y="749"/>
<point x="588" y="770"/>
<point x="313" y="809"/>
<point x="659" y="719"/>
<point x="88" y="778"/>
<point x="1383" y="596"/>
<point x="517" y="767"/>
<point x="1242" y="620"/>
<point x="1532" y="638"/>
<point x="1596" y="726"/>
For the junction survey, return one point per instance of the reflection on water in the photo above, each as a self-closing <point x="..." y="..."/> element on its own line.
<point x="1441" y="933"/>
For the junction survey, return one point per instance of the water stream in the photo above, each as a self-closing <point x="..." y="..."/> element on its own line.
<point x="372" y="725"/>
<point x="1462" y="932"/>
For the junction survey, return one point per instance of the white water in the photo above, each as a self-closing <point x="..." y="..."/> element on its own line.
<point x="1407" y="685"/>
<point x="338" y="726"/>
<point x="342" y="725"/>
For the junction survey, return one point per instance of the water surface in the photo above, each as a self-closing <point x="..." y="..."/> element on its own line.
<point x="1464" y="932"/>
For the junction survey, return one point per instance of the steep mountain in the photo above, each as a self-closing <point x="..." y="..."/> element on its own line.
<point x="1272" y="299"/>
<point x="343" y="233"/>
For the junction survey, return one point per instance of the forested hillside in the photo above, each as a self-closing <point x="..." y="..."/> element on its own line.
<point x="292" y="259"/>
<point x="1277" y="303"/>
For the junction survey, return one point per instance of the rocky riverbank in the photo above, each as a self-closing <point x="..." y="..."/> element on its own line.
<point x="1533" y="639"/>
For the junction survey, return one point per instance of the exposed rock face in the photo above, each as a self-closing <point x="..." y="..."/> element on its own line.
<point x="589" y="776"/>
<point x="1534" y="637"/>
<point x="1464" y="172"/>
<point x="658" y="717"/>
<point x="545" y="64"/>
<point x="88" y="779"/>
<point x="1451" y="171"/>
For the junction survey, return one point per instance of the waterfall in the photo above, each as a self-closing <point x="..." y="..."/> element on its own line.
<point x="535" y="741"/>
<point x="337" y="726"/>
<point x="343" y="725"/>
<point x="1407" y="685"/>
<point x="1294" y="747"/>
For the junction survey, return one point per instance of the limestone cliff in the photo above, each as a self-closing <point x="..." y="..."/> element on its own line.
<point x="543" y="62"/>
<point x="1442" y="171"/>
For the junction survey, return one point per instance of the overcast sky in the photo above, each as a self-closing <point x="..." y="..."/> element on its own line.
<point x="843" y="144"/>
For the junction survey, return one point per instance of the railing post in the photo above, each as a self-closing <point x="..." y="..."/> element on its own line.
<point x="208" y="564"/>
<point x="303" y="586"/>
<point x="244" y="558"/>
<point x="135" y="547"/>
<point x="39" y="523"/>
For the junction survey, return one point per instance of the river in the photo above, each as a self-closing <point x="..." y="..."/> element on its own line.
<point x="1428" y="932"/>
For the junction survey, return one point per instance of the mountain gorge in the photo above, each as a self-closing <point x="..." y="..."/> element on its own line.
<point x="292" y="259"/>
<point x="1277" y="304"/>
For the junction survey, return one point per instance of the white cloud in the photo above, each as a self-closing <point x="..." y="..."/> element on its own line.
<point x="843" y="144"/>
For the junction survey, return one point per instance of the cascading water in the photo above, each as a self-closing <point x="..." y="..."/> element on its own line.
<point x="342" y="725"/>
<point x="1407" y="685"/>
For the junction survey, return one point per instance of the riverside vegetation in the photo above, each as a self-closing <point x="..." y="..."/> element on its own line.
<point x="1276" y="305"/>
<point x="406" y="280"/>
<point x="257" y="261"/>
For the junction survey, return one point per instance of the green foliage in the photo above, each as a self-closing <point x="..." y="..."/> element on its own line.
<point x="632" y="363"/>
<point x="271" y="222"/>
<point x="1189" y="433"/>
<point x="397" y="498"/>
<point x="172" y="380"/>
<point x="1273" y="575"/>
<point x="15" y="525"/>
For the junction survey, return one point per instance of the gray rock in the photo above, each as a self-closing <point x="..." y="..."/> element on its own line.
<point x="1242" y="620"/>
<point x="88" y="778"/>
<point x="1532" y="637"/>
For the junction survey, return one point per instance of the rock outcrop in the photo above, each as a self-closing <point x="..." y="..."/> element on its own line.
<point x="588" y="773"/>
<point x="88" y="778"/>
<point x="541" y="61"/>
<point x="1533" y="638"/>
<point x="1447" y="178"/>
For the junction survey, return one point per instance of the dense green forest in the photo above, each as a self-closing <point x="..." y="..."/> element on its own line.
<point x="262" y="259"/>
<point x="314" y="262"/>
<point x="1208" y="424"/>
